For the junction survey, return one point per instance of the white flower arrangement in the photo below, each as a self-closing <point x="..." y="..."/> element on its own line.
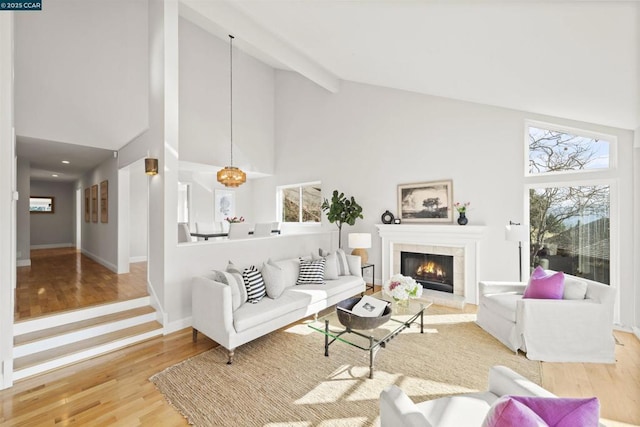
<point x="402" y="287"/>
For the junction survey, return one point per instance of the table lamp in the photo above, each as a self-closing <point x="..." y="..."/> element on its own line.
<point x="360" y="242"/>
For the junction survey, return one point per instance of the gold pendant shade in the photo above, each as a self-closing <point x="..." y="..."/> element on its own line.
<point x="231" y="176"/>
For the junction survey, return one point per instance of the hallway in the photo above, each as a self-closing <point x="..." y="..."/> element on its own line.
<point x="63" y="279"/>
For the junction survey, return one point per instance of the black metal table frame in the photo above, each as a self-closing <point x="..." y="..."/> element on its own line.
<point x="374" y="343"/>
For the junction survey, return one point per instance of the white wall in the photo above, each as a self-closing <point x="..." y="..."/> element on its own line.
<point x="56" y="229"/>
<point x="23" y="219"/>
<point x="151" y="144"/>
<point x="365" y="140"/>
<point x="7" y="205"/>
<point x="83" y="72"/>
<point x="203" y="186"/>
<point x="138" y="216"/>
<point x="100" y="240"/>
<point x="204" y="103"/>
<point x="636" y="229"/>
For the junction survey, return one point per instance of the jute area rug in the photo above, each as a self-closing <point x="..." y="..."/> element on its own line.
<point x="284" y="379"/>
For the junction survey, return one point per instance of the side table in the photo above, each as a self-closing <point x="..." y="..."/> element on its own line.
<point x="369" y="286"/>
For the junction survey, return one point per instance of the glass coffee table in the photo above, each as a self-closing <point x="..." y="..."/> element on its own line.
<point x="371" y="340"/>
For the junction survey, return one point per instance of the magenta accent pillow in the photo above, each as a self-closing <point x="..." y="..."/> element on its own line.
<point x="508" y="412"/>
<point x="562" y="411"/>
<point x="545" y="286"/>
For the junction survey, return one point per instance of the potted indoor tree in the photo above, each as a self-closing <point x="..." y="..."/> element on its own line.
<point x="342" y="210"/>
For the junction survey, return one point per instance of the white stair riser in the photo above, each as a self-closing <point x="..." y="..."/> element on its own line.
<point x="52" y="321"/>
<point x="79" y="335"/>
<point x="82" y="355"/>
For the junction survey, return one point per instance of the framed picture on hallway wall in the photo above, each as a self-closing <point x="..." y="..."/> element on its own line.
<point x="104" y="201"/>
<point x="94" y="203"/>
<point x="426" y="202"/>
<point x="224" y="205"/>
<point x="87" y="204"/>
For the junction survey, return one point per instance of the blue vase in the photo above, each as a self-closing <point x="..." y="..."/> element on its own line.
<point x="462" y="219"/>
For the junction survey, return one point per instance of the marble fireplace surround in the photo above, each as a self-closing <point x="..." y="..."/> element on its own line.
<point x="462" y="242"/>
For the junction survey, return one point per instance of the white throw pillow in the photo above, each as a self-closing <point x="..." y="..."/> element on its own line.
<point x="273" y="279"/>
<point x="237" y="273"/>
<point x="343" y="266"/>
<point x="331" y="266"/>
<point x="289" y="269"/>
<point x="331" y="263"/>
<point x="236" y="283"/>
<point x="574" y="288"/>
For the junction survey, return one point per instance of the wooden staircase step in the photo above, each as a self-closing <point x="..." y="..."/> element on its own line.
<point x="124" y="335"/>
<point x="80" y="325"/>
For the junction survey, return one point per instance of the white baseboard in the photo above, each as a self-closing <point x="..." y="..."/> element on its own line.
<point x="53" y="246"/>
<point x="99" y="260"/>
<point x="23" y="263"/>
<point x="636" y="332"/>
<point x="178" y="325"/>
<point x="135" y="259"/>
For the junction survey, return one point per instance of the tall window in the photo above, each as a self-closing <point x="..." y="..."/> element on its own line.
<point x="570" y="218"/>
<point x="300" y="202"/>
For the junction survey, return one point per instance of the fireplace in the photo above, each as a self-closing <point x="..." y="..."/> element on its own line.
<point x="432" y="271"/>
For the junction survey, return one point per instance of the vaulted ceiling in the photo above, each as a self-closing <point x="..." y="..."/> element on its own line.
<point x="570" y="59"/>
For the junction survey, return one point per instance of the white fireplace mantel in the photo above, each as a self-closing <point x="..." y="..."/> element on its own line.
<point x="455" y="236"/>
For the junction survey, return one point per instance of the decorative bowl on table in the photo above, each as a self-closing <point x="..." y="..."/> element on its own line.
<point x="353" y="321"/>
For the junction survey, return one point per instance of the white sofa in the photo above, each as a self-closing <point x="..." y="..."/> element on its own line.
<point x="213" y="313"/>
<point x="397" y="409"/>
<point x="572" y="329"/>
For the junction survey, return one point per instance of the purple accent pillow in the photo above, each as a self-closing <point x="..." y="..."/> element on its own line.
<point x="545" y="286"/>
<point x="508" y="412"/>
<point x="564" y="412"/>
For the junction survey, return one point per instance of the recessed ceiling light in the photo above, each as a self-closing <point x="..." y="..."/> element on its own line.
<point x="55" y="175"/>
<point x="66" y="162"/>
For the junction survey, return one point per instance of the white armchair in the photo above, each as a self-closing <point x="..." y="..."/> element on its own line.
<point x="397" y="409"/>
<point x="565" y="330"/>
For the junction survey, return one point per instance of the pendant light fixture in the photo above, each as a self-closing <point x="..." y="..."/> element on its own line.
<point x="231" y="176"/>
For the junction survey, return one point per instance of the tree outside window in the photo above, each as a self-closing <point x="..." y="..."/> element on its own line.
<point x="301" y="203"/>
<point x="569" y="223"/>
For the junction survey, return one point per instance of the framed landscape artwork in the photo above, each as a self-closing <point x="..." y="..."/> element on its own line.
<point x="94" y="203"/>
<point x="104" y="201"/>
<point x="87" y="204"/>
<point x="426" y="202"/>
<point x="224" y="205"/>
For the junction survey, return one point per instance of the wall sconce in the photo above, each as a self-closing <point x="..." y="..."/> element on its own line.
<point x="151" y="166"/>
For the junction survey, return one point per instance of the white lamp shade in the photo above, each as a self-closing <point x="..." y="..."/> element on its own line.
<point x="515" y="233"/>
<point x="360" y="240"/>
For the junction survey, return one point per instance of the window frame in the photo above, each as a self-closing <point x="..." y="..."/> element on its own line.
<point x="279" y="203"/>
<point x="612" y="139"/>
<point x="582" y="177"/>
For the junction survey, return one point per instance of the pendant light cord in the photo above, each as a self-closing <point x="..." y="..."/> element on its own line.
<point x="231" y="91"/>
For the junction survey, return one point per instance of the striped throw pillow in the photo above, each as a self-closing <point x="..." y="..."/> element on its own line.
<point x="254" y="283"/>
<point x="311" y="272"/>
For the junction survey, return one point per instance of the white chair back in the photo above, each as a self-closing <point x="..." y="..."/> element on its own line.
<point x="262" y="229"/>
<point x="239" y="230"/>
<point x="183" y="232"/>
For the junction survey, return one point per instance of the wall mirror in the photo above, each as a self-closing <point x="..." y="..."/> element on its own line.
<point x="41" y="204"/>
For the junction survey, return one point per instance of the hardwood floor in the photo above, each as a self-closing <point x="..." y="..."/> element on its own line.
<point x="114" y="389"/>
<point x="108" y="390"/>
<point x="63" y="279"/>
